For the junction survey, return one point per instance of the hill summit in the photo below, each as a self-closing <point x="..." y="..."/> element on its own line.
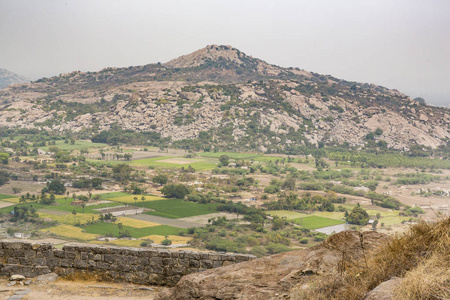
<point x="219" y="97"/>
<point x="8" y="78"/>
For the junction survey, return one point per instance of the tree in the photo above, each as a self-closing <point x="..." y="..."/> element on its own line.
<point x="374" y="225"/>
<point x="178" y="191"/>
<point x="83" y="206"/>
<point x="135" y="199"/>
<point x="74" y="213"/>
<point x="224" y="160"/>
<point x="96" y="183"/>
<point x="358" y="216"/>
<point x="143" y="200"/>
<point x="122" y="172"/>
<point x="161" y="179"/>
<point x="4" y="177"/>
<point x="4" y="158"/>
<point x="16" y="190"/>
<point x="166" y="241"/>
<point x="55" y="186"/>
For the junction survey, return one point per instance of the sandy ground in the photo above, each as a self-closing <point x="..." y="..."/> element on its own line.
<point x="80" y="290"/>
<point x="6" y="204"/>
<point x="25" y="186"/>
<point x="39" y="241"/>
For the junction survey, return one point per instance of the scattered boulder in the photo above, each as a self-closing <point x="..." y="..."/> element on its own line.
<point x="17" y="277"/>
<point x="46" y="278"/>
<point x="385" y="290"/>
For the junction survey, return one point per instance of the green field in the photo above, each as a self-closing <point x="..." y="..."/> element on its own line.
<point x="78" y="145"/>
<point x="110" y="228"/>
<point x="315" y="222"/>
<point x="176" y="208"/>
<point x="198" y="164"/>
<point x="3" y="196"/>
<point x="286" y="214"/>
<point x="232" y="155"/>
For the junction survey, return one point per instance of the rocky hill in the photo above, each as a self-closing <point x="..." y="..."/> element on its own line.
<point x="223" y="97"/>
<point x="8" y="78"/>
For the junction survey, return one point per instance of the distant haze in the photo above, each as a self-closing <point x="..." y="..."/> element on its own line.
<point x="395" y="43"/>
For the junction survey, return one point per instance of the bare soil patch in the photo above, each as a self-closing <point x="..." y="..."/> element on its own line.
<point x="81" y="290"/>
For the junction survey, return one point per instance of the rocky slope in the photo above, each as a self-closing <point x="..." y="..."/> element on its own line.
<point x="236" y="101"/>
<point x="8" y="78"/>
<point x="273" y="277"/>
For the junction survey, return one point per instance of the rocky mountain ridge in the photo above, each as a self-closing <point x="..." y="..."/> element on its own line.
<point x="228" y="99"/>
<point x="8" y="78"/>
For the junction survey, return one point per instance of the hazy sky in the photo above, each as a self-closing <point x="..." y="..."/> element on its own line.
<point x="397" y="44"/>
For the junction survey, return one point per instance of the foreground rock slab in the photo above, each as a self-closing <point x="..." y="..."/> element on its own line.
<point x="272" y="277"/>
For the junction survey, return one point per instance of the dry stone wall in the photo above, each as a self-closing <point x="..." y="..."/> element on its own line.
<point x="136" y="265"/>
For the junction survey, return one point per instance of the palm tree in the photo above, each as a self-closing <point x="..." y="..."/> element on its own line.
<point x="83" y="206"/>
<point x="143" y="199"/>
<point x="74" y="213"/>
<point x="135" y="199"/>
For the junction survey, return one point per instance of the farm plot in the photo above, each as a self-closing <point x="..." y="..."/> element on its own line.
<point x="176" y="208"/>
<point x="130" y="199"/>
<point x="314" y="222"/>
<point x="112" y="229"/>
<point x="175" y="162"/>
<point x="69" y="231"/>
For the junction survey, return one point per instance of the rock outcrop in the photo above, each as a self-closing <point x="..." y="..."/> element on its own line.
<point x="273" y="277"/>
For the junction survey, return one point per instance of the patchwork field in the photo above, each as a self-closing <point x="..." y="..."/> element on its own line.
<point x="111" y="229"/>
<point x="314" y="222"/>
<point x="135" y="223"/>
<point x="286" y="214"/>
<point x="175" y="208"/>
<point x="72" y="232"/>
<point x="129" y="199"/>
<point x="69" y="217"/>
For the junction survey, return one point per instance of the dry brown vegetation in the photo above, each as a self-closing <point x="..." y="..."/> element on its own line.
<point x="421" y="256"/>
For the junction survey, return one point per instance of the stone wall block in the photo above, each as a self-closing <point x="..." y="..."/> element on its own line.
<point x="58" y="253"/>
<point x="207" y="264"/>
<point x="29" y="253"/>
<point x="194" y="264"/>
<point x="66" y="263"/>
<point x="70" y="254"/>
<point x="12" y="260"/>
<point x="53" y="263"/>
<point x="102" y="265"/>
<point x="81" y="264"/>
<point x="109" y="258"/>
<point x="39" y="261"/>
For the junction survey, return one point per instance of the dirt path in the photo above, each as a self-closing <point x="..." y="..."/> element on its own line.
<point x="165" y="221"/>
<point x="80" y="290"/>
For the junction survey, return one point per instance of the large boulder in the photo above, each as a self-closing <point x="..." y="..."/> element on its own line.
<point x="272" y="277"/>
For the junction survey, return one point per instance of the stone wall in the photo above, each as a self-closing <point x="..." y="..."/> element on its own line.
<point x="136" y="265"/>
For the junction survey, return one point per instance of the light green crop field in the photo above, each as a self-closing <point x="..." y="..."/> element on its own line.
<point x="112" y="228"/>
<point x="315" y="222"/>
<point x="232" y="155"/>
<point x="78" y="145"/>
<point x="286" y="214"/>
<point x="129" y="199"/>
<point x="178" y="162"/>
<point x="269" y="158"/>
<point x="176" y="208"/>
<point x="3" y="196"/>
<point x="332" y="215"/>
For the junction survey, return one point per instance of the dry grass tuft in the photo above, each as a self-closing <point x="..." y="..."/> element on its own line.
<point x="421" y="256"/>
